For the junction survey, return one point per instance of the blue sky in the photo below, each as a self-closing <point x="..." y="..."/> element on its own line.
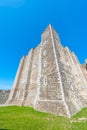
<point x="23" y="21"/>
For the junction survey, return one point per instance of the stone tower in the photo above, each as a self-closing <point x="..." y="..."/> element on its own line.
<point x="50" y="78"/>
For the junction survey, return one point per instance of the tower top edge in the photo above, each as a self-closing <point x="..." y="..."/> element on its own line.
<point x="48" y="28"/>
<point x="47" y="32"/>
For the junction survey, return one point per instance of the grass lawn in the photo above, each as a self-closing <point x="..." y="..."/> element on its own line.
<point x="26" y="118"/>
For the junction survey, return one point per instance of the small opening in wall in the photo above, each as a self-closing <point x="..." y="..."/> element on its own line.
<point x="44" y="53"/>
<point x="86" y="63"/>
<point x="86" y="66"/>
<point x="45" y="80"/>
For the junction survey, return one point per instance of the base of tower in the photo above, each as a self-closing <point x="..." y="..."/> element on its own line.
<point x="54" y="107"/>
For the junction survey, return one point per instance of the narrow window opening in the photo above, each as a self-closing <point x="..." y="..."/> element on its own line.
<point x="44" y="53"/>
<point x="45" y="80"/>
<point x="44" y="64"/>
<point x="86" y="63"/>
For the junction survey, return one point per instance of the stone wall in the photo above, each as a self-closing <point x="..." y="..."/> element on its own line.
<point x="4" y="94"/>
<point x="31" y="96"/>
<point x="22" y="79"/>
<point x="84" y="70"/>
<point x="50" y="78"/>
<point x="49" y="95"/>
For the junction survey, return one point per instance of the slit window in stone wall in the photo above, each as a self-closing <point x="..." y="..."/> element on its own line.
<point x="44" y="52"/>
<point x="86" y="63"/>
<point x="32" y="81"/>
<point x="44" y="64"/>
<point x="45" y="80"/>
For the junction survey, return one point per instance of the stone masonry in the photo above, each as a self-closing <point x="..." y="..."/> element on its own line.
<point x="4" y="94"/>
<point x="50" y="78"/>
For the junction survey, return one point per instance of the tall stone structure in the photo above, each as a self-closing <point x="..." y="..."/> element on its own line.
<point x="50" y="78"/>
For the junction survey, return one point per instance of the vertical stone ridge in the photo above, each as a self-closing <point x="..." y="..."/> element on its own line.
<point x="59" y="74"/>
<point x="73" y="72"/>
<point x="32" y="85"/>
<point x="76" y="67"/>
<point x="79" y="68"/>
<point x="38" y="82"/>
<point x="83" y="83"/>
<point x="30" y="58"/>
<point x="16" y="81"/>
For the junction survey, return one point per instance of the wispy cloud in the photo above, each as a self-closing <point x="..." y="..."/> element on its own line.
<point x="12" y="3"/>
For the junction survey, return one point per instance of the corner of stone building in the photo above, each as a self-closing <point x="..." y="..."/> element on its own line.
<point x="47" y="32"/>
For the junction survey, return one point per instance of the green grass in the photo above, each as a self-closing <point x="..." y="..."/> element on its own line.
<point x="26" y="118"/>
<point x="80" y="125"/>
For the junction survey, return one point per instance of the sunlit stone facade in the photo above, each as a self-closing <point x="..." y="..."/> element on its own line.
<point x="50" y="78"/>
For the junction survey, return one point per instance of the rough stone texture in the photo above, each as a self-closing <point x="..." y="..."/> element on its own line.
<point x="50" y="78"/>
<point x="4" y="96"/>
<point x="84" y="70"/>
